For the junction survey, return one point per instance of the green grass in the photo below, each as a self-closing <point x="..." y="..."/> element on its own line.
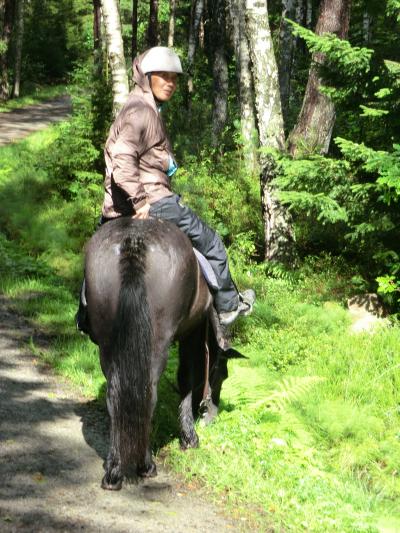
<point x="33" y="96"/>
<point x="308" y="434"/>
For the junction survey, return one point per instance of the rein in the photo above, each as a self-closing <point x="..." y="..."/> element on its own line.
<point x="205" y="402"/>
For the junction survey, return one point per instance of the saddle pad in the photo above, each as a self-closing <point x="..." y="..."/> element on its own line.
<point x="208" y="272"/>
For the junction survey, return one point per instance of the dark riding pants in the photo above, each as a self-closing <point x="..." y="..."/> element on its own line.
<point x="206" y="241"/>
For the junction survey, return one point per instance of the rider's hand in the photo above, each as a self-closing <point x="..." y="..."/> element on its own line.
<point x="142" y="212"/>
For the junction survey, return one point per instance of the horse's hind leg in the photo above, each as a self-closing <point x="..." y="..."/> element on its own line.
<point x="149" y="469"/>
<point x="186" y="380"/>
<point x="112" y="479"/>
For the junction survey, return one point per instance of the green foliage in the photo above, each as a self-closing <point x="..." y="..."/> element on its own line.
<point x="15" y="263"/>
<point x="393" y="8"/>
<point x="312" y="429"/>
<point x="343" y="67"/>
<point x="3" y="46"/>
<point x="351" y="60"/>
<point x="386" y="165"/>
<point x="227" y="205"/>
<point x="57" y="34"/>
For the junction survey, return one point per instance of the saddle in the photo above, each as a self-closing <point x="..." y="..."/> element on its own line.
<point x="207" y="271"/>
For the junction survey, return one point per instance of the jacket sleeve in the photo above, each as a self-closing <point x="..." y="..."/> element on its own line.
<point x="125" y="156"/>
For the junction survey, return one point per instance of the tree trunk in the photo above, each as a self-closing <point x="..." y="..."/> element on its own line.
<point x="277" y="227"/>
<point x="19" y="25"/>
<point x="367" y="19"/>
<point x="286" y="47"/>
<point x="197" y="12"/>
<point x="246" y="99"/>
<point x="301" y="12"/>
<point x="313" y="131"/>
<point x="8" y="11"/>
<point x="220" y="74"/>
<point x="265" y="75"/>
<point x="134" y="47"/>
<point x="115" y="52"/>
<point x="152" y="30"/>
<point x="171" y="24"/>
<point x="97" y="40"/>
<point x="278" y="231"/>
<point x="309" y="15"/>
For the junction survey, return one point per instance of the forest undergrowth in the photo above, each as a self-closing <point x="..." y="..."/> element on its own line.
<point x="307" y="438"/>
<point x="34" y="94"/>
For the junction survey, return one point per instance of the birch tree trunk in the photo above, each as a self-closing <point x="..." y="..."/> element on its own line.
<point x="115" y="52"/>
<point x="314" y="127"/>
<point x="171" y="23"/>
<point x="134" y="48"/>
<point x="220" y="73"/>
<point x="152" y="30"/>
<point x="237" y="12"/>
<point x="8" y="11"/>
<point x="265" y="75"/>
<point x="19" y="26"/>
<point x="277" y="227"/>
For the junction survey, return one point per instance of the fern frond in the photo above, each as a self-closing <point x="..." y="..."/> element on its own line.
<point x="288" y="391"/>
<point x="247" y="387"/>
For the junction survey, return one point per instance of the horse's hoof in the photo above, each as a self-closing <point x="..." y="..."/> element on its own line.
<point x="110" y="486"/>
<point x="208" y="416"/>
<point x="148" y="470"/>
<point x="186" y="443"/>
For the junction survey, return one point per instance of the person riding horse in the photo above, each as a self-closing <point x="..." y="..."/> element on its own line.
<point x="139" y="166"/>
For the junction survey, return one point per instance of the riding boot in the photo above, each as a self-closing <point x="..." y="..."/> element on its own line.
<point x="245" y="307"/>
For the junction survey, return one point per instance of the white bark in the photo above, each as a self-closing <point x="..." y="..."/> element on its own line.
<point x="171" y="25"/>
<point x="115" y="52"/>
<point x="19" y="26"/>
<point x="265" y="75"/>
<point x="277" y="227"/>
<point x="246" y="99"/>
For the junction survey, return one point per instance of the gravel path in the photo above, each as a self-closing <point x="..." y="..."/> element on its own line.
<point x="17" y="124"/>
<point x="52" y="448"/>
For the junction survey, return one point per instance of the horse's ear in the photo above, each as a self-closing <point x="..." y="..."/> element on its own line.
<point x="231" y="353"/>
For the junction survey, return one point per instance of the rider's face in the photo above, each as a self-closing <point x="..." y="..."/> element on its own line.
<point x="163" y="85"/>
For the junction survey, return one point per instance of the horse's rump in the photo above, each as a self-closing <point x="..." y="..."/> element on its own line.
<point x="176" y="290"/>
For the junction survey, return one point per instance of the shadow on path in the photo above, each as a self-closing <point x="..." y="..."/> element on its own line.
<point x="17" y="124"/>
<point x="52" y="447"/>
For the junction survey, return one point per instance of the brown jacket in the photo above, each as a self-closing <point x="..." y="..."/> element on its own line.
<point x="137" y="153"/>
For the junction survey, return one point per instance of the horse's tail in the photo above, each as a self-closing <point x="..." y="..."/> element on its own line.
<point x="131" y="359"/>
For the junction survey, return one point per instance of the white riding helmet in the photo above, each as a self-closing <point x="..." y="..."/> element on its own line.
<point x="161" y="59"/>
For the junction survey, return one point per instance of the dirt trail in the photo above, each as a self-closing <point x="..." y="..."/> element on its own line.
<point x="52" y="448"/>
<point x="17" y="124"/>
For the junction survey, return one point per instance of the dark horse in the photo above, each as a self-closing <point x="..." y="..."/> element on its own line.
<point x="144" y="289"/>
